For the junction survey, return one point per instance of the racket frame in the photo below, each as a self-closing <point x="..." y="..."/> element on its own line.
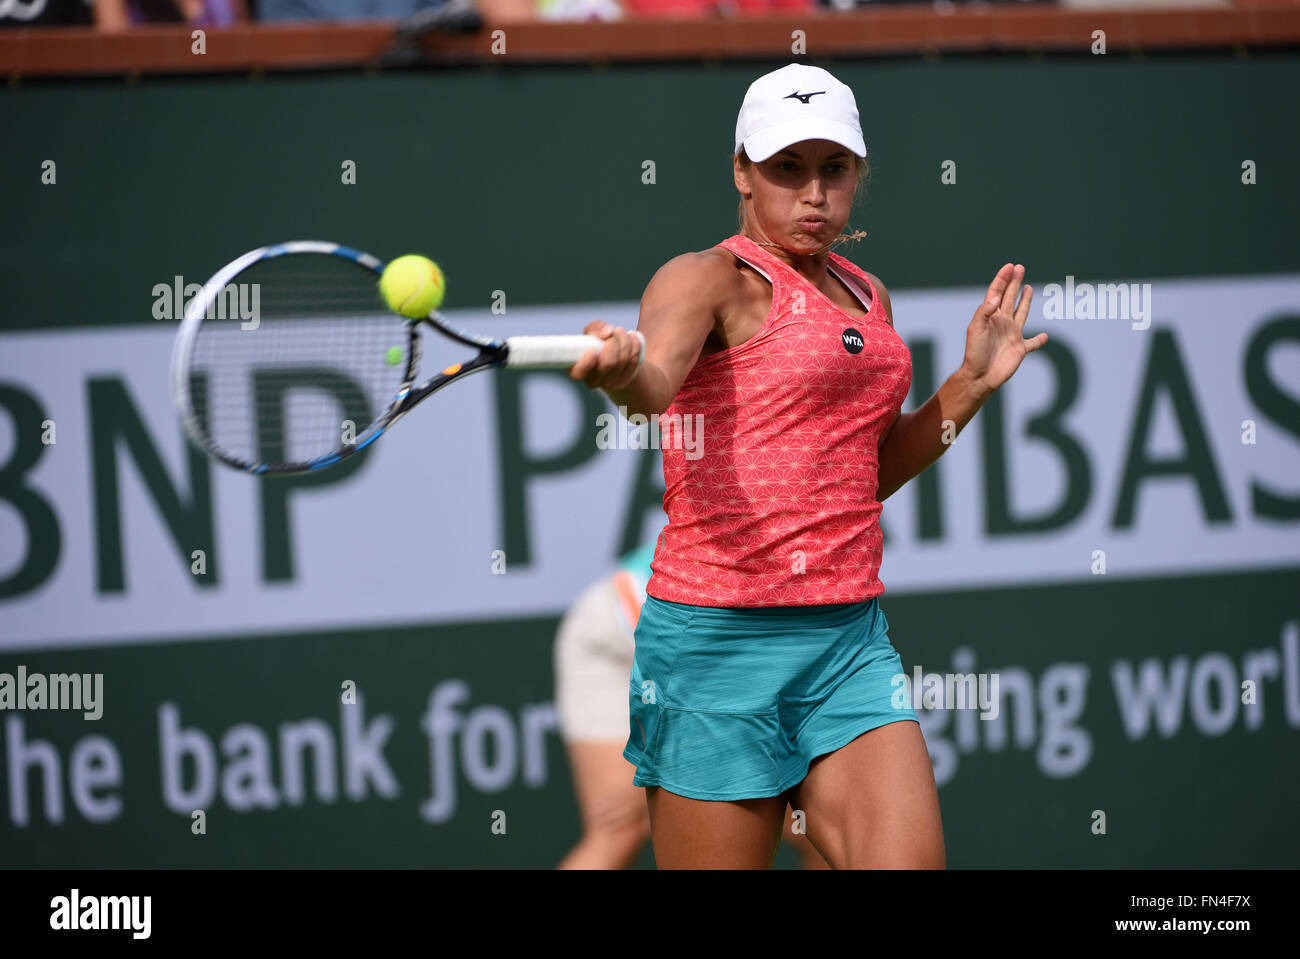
<point x="532" y="352"/>
<point x="492" y="353"/>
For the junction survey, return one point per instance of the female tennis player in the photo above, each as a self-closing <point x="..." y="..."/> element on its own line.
<point x="763" y="670"/>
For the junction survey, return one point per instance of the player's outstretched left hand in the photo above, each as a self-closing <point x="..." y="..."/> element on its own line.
<point x="995" y="342"/>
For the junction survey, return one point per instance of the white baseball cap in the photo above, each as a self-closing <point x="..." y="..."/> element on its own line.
<point x="797" y="102"/>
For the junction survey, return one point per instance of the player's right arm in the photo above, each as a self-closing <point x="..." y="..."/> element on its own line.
<point x="679" y="310"/>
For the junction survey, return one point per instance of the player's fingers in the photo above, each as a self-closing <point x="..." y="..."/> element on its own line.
<point x="615" y="364"/>
<point x="582" y="369"/>
<point x="618" y="361"/>
<point x="610" y="355"/>
<point x="1036" y="343"/>
<point x="586" y="368"/>
<point x="999" y="284"/>
<point x="623" y="348"/>
<point x="1013" y="288"/>
<point x="625" y="374"/>
<point x="598" y="374"/>
<point x="1022" y="311"/>
<point x="629" y="347"/>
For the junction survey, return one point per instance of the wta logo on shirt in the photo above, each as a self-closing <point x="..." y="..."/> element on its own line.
<point x="852" y="340"/>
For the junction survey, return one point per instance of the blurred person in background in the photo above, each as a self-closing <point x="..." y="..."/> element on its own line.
<point x="279" y="11"/>
<point x="113" y="16"/>
<point x="686" y="9"/>
<point x="947" y="6"/>
<point x="506" y="11"/>
<point x="44" y="13"/>
<point x="580" y="9"/>
<point x="593" y="668"/>
<point x="514" y="11"/>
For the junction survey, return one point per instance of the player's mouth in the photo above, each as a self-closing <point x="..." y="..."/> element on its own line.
<point x="811" y="224"/>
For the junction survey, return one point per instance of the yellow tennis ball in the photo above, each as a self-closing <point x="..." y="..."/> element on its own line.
<point x="412" y="286"/>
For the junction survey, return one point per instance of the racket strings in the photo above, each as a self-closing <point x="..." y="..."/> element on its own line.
<point x="298" y="361"/>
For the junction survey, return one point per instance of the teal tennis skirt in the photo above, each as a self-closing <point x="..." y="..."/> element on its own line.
<point x="730" y="704"/>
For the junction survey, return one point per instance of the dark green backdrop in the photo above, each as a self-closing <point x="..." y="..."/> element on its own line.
<point x="529" y="180"/>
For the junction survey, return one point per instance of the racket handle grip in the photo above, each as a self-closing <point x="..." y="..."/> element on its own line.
<point x="541" y="352"/>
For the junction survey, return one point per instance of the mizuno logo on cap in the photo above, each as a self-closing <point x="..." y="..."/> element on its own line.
<point x="802" y="97"/>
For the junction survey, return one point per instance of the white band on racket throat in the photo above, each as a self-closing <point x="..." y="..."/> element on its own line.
<point x="539" y="352"/>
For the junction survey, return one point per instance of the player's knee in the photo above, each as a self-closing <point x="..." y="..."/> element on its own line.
<point x="916" y="855"/>
<point x="924" y="855"/>
<point x="867" y="849"/>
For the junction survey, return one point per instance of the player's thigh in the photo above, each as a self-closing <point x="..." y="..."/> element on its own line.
<point x="603" y="781"/>
<point x="874" y="803"/>
<point x="706" y="834"/>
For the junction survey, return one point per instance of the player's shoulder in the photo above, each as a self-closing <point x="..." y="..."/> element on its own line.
<point x="710" y="273"/>
<point x="714" y="263"/>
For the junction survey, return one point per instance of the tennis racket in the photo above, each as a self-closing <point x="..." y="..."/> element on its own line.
<point x="289" y="361"/>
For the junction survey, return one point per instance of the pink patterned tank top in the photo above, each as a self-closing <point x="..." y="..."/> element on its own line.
<point x="770" y="472"/>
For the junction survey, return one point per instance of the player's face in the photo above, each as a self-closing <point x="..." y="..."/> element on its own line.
<point x="796" y="186"/>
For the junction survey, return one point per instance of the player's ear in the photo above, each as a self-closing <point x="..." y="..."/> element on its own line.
<point x="740" y="172"/>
